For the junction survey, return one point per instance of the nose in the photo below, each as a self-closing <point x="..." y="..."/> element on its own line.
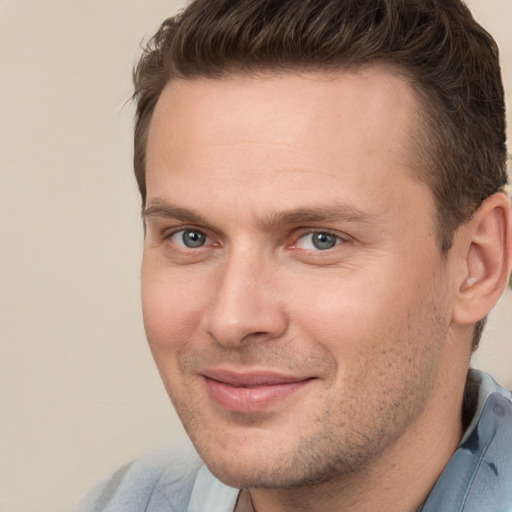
<point x="245" y="305"/>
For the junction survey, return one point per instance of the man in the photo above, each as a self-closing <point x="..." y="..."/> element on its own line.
<point x="326" y="229"/>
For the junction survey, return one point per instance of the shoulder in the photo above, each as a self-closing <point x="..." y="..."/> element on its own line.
<point x="158" y="482"/>
<point x="478" y="477"/>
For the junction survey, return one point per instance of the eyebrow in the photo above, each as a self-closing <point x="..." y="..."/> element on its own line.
<point x="161" y="208"/>
<point x="328" y="214"/>
<point x="338" y="212"/>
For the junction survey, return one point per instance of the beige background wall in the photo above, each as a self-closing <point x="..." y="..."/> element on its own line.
<point x="79" y="394"/>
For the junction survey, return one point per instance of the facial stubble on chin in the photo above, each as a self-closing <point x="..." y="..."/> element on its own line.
<point x="319" y="455"/>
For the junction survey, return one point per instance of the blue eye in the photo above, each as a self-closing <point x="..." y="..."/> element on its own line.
<point x="319" y="240"/>
<point x="189" y="238"/>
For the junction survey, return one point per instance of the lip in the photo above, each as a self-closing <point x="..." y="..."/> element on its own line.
<point x="251" y="392"/>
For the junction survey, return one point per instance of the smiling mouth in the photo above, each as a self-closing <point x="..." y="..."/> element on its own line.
<point x="250" y="393"/>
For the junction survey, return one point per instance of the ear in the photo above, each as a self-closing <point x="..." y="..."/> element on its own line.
<point x="486" y="246"/>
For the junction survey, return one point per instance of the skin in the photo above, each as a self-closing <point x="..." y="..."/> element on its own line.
<point x="366" y="327"/>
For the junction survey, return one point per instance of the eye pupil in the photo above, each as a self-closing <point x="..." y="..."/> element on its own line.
<point x="193" y="239"/>
<point x="323" y="241"/>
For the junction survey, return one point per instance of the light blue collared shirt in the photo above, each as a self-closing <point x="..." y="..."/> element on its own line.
<point x="478" y="477"/>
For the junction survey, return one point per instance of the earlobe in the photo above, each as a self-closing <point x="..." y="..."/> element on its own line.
<point x="487" y="261"/>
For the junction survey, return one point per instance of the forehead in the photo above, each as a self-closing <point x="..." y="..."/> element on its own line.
<point x="365" y="96"/>
<point x="291" y="132"/>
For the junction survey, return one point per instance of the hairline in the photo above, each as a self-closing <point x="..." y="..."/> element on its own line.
<point x="416" y="148"/>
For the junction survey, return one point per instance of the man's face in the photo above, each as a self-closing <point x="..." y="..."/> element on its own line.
<point x="294" y="297"/>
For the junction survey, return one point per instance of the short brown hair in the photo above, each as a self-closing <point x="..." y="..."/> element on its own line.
<point x="451" y="61"/>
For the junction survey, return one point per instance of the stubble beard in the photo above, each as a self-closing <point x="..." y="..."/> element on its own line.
<point x="333" y="451"/>
<point x="348" y="436"/>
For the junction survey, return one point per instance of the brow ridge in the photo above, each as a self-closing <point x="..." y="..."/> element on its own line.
<point x="305" y="215"/>
<point x="161" y="208"/>
<point x="328" y="214"/>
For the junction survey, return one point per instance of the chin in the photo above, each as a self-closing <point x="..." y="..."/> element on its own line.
<point x="246" y="465"/>
<point x="272" y="467"/>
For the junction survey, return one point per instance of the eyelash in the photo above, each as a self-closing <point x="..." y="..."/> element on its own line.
<point x="338" y="239"/>
<point x="173" y="233"/>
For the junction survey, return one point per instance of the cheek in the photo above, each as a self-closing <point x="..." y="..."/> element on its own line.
<point x="172" y="308"/>
<point x="348" y="308"/>
<point x="171" y="312"/>
<point x="360" y="321"/>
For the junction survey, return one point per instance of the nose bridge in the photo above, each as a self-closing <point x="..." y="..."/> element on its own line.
<point x="244" y="304"/>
